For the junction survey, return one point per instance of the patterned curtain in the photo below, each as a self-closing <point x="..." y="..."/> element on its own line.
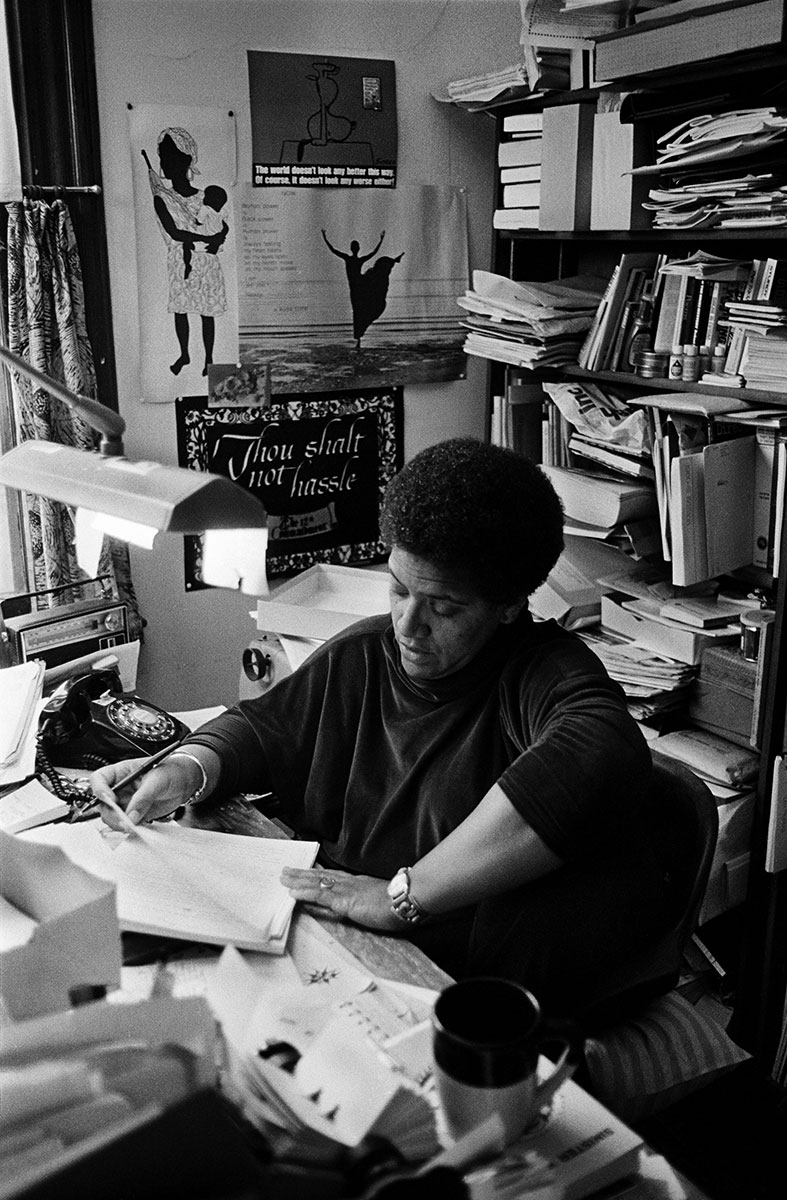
<point x="46" y="327"/>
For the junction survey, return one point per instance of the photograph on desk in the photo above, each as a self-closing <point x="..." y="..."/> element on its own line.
<point x="319" y="463"/>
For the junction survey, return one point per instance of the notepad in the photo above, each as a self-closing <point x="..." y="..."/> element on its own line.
<point x="220" y="888"/>
<point x="30" y="805"/>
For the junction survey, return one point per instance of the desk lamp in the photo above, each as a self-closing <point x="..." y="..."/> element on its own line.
<point x="135" y="500"/>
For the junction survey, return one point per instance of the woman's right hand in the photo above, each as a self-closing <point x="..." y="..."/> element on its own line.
<point x="154" y="795"/>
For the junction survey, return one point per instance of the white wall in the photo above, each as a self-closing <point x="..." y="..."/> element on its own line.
<point x="193" y="52"/>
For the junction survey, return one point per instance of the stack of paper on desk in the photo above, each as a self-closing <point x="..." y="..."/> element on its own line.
<point x="20" y="696"/>
<point x="310" y="1058"/>
<point x="191" y="883"/>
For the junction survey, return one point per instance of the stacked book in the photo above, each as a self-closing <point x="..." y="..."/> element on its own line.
<point x="519" y="165"/>
<point x="759" y="311"/>
<point x="755" y="322"/>
<point x="595" y="503"/>
<point x="704" y="481"/>
<point x="653" y="634"/>
<point x="764" y="363"/>
<point x="602" y="430"/>
<point x="692" y="294"/>
<point x="528" y="324"/>
<point x="731" y="312"/>
<point x="600" y="462"/>
<point x="679" y="628"/>
<point x="721" y="170"/>
<point x="632" y="281"/>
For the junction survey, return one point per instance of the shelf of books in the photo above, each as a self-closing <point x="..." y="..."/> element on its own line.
<point x="635" y="322"/>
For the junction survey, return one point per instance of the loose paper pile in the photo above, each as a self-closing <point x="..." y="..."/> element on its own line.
<point x="653" y="683"/>
<point x="324" y="1054"/>
<point x="727" y="171"/>
<point x="493" y="87"/>
<point x="190" y="883"/>
<point x="528" y="324"/>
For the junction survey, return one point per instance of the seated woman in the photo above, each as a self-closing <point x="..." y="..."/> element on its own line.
<point x="472" y="776"/>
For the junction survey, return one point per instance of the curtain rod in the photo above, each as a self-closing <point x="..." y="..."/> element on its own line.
<point x="33" y="190"/>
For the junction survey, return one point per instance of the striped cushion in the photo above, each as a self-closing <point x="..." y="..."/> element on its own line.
<point x="650" y="1061"/>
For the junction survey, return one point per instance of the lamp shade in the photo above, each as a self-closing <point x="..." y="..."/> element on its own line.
<point x="170" y="499"/>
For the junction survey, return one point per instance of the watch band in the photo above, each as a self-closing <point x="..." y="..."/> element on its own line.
<point x="403" y="903"/>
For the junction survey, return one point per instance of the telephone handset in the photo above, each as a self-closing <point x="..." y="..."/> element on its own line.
<point x="89" y="721"/>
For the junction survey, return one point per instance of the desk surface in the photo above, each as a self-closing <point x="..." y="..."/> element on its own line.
<point x="385" y="956"/>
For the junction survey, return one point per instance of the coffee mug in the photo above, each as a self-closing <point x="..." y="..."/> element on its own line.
<point x="487" y="1036"/>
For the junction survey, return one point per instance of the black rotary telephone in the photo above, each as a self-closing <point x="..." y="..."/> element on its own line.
<point x="89" y="721"/>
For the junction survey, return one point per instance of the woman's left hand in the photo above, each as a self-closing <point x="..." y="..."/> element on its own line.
<point x="358" y="898"/>
<point x="214" y="244"/>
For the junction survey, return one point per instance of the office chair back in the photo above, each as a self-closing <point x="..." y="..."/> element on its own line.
<point x="694" y="822"/>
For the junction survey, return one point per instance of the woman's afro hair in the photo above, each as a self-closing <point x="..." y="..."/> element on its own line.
<point x="485" y="512"/>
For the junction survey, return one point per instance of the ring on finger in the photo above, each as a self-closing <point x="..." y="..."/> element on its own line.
<point x="327" y="881"/>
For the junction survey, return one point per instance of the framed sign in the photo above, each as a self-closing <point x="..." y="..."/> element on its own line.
<point x="319" y="462"/>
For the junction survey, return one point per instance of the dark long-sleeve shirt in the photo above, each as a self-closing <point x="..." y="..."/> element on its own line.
<point x="379" y="768"/>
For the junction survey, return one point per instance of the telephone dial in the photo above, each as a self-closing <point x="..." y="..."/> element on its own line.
<point x="90" y="721"/>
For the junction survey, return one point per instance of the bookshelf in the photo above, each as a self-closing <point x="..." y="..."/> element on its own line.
<point x="540" y="256"/>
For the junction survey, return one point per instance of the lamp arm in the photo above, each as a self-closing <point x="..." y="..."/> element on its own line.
<point x="97" y="415"/>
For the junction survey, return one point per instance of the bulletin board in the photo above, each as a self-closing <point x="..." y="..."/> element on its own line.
<point x="320" y="463"/>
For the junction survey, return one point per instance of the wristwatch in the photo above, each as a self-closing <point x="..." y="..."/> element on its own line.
<point x="403" y="903"/>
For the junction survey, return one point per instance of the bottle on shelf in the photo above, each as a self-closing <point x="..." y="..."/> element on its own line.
<point x="718" y="359"/>
<point x="691" y="364"/>
<point x="640" y="335"/>
<point x="675" y="367"/>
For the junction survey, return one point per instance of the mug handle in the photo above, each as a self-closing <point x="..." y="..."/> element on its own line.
<point x="568" y="1034"/>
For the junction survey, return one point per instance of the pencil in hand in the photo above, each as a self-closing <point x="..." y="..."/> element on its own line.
<point x="136" y="773"/>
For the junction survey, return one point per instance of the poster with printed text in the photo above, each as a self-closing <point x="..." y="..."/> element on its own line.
<point x="320" y="464"/>
<point x="184" y="175"/>
<point x="358" y="291"/>
<point x="321" y="120"/>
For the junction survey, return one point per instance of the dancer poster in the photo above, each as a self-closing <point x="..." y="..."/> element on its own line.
<point x="320" y="120"/>
<point x="352" y="291"/>
<point x="320" y="464"/>
<point x="183" y="172"/>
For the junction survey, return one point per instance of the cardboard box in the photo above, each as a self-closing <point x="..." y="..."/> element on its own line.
<point x="616" y="197"/>
<point x="685" y="645"/>
<point x="122" y="1146"/>
<point x="323" y="601"/>
<point x="566" y="167"/>
<point x="72" y="940"/>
